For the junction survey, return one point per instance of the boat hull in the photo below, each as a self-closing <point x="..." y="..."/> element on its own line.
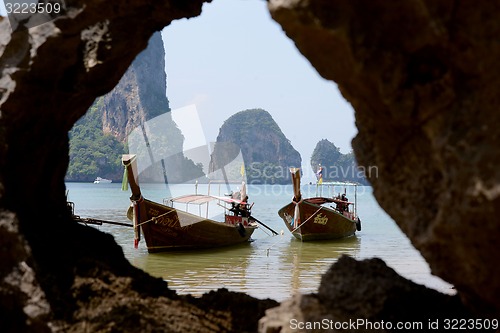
<point x="317" y="222"/>
<point x="171" y="229"/>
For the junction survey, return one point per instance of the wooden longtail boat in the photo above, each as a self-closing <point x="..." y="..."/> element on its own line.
<point x="314" y="219"/>
<point x="166" y="228"/>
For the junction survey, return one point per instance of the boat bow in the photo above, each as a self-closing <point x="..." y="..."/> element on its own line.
<point x="138" y="207"/>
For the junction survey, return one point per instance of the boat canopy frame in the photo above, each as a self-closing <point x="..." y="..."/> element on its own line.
<point x="319" y="191"/>
<point x="199" y="200"/>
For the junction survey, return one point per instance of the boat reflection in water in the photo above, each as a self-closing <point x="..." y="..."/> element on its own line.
<point x="196" y="273"/>
<point x="300" y="265"/>
<point x="274" y="267"/>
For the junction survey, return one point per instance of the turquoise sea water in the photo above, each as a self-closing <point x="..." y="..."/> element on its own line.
<point x="274" y="267"/>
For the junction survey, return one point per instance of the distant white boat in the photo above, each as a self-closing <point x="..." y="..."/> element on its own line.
<point x="100" y="180"/>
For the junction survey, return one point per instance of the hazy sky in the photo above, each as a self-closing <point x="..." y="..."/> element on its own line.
<point x="234" y="57"/>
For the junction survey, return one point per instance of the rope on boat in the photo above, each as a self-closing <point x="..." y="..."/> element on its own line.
<point x="300" y="225"/>
<point x="272" y="245"/>
<point x="269" y="235"/>
<point x="227" y="266"/>
<point x="154" y="218"/>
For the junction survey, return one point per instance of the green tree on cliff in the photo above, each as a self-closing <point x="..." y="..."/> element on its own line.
<point x="91" y="152"/>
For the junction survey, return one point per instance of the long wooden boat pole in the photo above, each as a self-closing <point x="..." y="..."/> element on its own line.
<point x="101" y="222"/>
<point x="265" y="226"/>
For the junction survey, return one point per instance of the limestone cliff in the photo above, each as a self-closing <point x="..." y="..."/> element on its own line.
<point x="337" y="166"/>
<point x="266" y="152"/>
<point x="140" y="95"/>
<point x="100" y="137"/>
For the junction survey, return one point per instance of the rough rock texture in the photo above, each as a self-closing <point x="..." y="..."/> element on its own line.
<point x="359" y="294"/>
<point x="23" y="305"/>
<point x="114" y="304"/>
<point x="423" y="79"/>
<point x="58" y="275"/>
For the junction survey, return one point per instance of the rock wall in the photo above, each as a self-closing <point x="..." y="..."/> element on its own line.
<point x="422" y="77"/>
<point x="363" y="296"/>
